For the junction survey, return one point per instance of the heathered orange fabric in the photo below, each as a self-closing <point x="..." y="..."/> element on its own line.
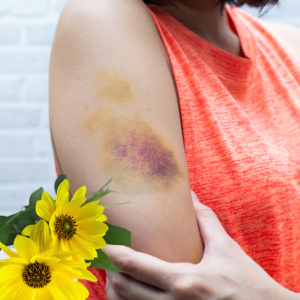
<point x="241" y="127"/>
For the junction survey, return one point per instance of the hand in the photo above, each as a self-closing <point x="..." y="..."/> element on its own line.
<point x="225" y="272"/>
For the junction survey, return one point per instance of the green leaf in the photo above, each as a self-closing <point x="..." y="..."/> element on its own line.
<point x="58" y="181"/>
<point x="17" y="228"/>
<point x="34" y="197"/>
<point x="117" y="235"/>
<point x="103" y="262"/>
<point x="23" y="219"/>
<point x="6" y="224"/>
<point x="11" y="238"/>
<point x="101" y="193"/>
<point x="3" y="220"/>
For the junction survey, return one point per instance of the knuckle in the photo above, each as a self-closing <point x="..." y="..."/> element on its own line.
<point x="188" y="286"/>
<point x="127" y="263"/>
<point x="118" y="284"/>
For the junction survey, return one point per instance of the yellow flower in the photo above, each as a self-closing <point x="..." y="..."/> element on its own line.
<point x="73" y="228"/>
<point x="33" y="274"/>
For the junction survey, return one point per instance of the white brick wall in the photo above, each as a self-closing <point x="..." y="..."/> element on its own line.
<point x="26" y="32"/>
<point x="26" y="159"/>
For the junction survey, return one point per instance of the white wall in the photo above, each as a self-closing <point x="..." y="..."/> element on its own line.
<point x="26" y="33"/>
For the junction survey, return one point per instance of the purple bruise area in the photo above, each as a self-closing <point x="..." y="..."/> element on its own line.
<point x="144" y="154"/>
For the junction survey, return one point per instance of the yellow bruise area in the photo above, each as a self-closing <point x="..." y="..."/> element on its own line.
<point x="113" y="86"/>
<point x="138" y="158"/>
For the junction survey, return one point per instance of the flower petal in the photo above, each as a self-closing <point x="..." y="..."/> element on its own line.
<point x="9" y="272"/>
<point x="45" y="207"/>
<point x="89" y="276"/>
<point x="8" y="251"/>
<point x="69" y="288"/>
<point x="65" y="254"/>
<point x="10" y="287"/>
<point x="78" y="257"/>
<point x="2" y="264"/>
<point x="62" y="197"/>
<point x="77" y="200"/>
<point x="41" y="236"/>
<point x="43" y="294"/>
<point x="87" y="252"/>
<point x="25" y="291"/>
<point x="27" y="230"/>
<point x="74" y="264"/>
<point x="85" y="276"/>
<point x="82" y="290"/>
<point x="65" y="245"/>
<point x="52" y="226"/>
<point x="96" y="242"/>
<point x="57" y="293"/>
<point x="92" y="228"/>
<point x="60" y="267"/>
<point x="89" y="211"/>
<point x="102" y="218"/>
<point x="16" y="260"/>
<point x="25" y="247"/>
<point x="80" y="193"/>
<point x="48" y="261"/>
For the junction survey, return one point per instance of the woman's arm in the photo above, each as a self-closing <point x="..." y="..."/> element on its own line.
<point x="114" y="114"/>
<point x="225" y="272"/>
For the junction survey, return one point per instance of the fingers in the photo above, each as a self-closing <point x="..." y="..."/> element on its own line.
<point x="128" y="288"/>
<point x="111" y="293"/>
<point x="210" y="227"/>
<point x="141" y="266"/>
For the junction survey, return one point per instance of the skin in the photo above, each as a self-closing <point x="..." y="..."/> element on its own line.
<point x="113" y="86"/>
<point x="225" y="269"/>
<point x="134" y="150"/>
<point x="114" y="114"/>
<point x="87" y="76"/>
<point x="139" y="159"/>
<point x="206" y="19"/>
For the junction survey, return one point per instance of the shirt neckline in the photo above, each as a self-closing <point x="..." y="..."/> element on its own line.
<point x="227" y="66"/>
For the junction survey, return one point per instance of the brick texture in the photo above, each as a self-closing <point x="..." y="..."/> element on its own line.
<point x="26" y="32"/>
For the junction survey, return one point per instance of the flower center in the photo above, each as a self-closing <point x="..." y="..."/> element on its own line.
<point x="65" y="227"/>
<point x="36" y="275"/>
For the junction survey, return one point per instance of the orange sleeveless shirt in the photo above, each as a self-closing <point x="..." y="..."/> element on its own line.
<point x="241" y="128"/>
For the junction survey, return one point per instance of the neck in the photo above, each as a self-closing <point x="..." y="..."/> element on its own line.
<point x="208" y="20"/>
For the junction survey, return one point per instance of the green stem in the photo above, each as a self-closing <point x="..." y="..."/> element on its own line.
<point x="105" y="206"/>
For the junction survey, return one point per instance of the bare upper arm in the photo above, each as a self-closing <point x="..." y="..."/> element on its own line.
<point x="114" y="113"/>
<point x="290" y="34"/>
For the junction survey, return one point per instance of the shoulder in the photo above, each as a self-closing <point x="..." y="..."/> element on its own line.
<point x="290" y="34"/>
<point x="106" y="30"/>
<point x="104" y="17"/>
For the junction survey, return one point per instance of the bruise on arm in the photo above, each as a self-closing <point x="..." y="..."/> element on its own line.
<point x="137" y="158"/>
<point x="102" y="89"/>
<point x="113" y="86"/>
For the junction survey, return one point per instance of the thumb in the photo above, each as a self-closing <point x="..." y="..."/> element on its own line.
<point x="210" y="227"/>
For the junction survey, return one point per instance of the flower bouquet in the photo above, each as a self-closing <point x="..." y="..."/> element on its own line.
<point x="56" y="240"/>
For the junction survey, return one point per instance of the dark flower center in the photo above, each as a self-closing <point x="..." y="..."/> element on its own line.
<point x="65" y="227"/>
<point x="36" y="275"/>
